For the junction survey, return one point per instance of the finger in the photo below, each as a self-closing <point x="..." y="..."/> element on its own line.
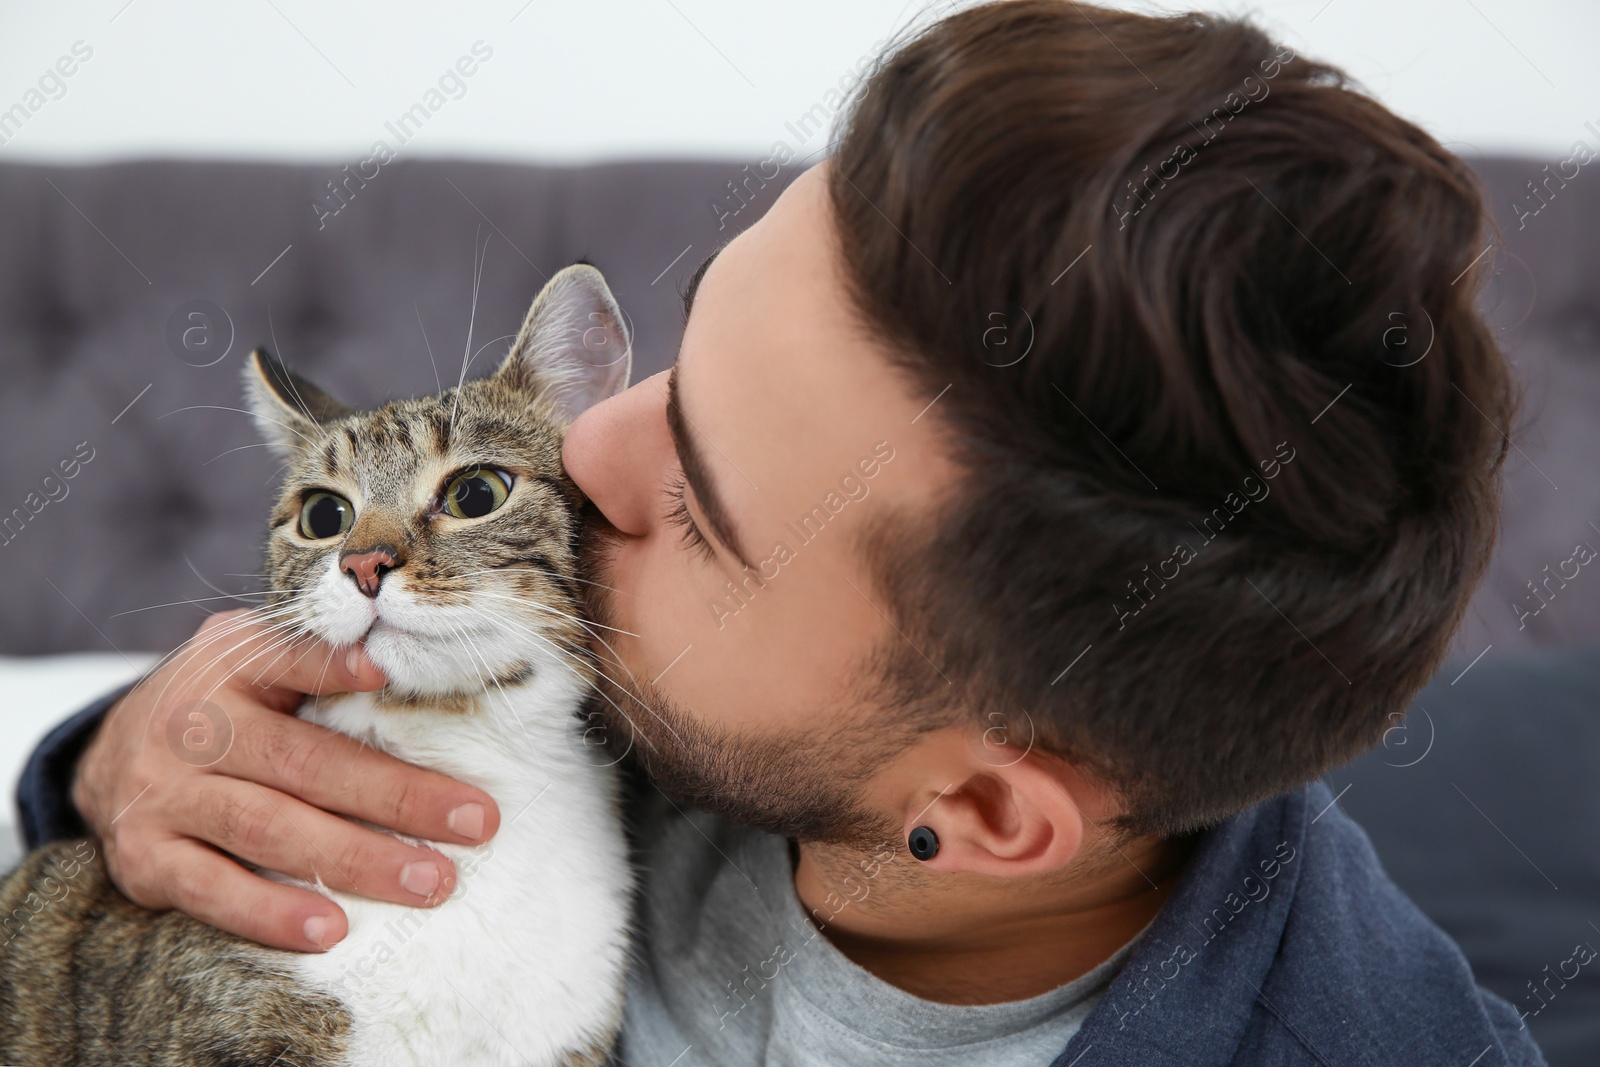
<point x="337" y="773"/>
<point x="277" y="831"/>
<point x="310" y="666"/>
<point x="280" y="660"/>
<point x="256" y="650"/>
<point x="201" y="882"/>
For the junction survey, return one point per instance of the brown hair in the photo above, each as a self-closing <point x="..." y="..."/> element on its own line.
<point x="1200" y="319"/>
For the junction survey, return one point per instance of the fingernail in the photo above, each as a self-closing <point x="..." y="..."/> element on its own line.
<point x="316" y="930"/>
<point x="467" y="820"/>
<point x="352" y="660"/>
<point x="420" y="877"/>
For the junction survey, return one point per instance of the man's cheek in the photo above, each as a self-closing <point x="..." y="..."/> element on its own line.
<point x="667" y="596"/>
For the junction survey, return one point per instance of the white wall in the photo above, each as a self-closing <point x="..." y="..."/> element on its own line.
<point x="587" y="79"/>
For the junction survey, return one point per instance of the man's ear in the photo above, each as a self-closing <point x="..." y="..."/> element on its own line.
<point x="1005" y="812"/>
<point x="288" y="409"/>
<point x="574" y="347"/>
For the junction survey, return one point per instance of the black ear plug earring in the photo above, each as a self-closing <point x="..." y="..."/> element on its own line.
<point x="924" y="843"/>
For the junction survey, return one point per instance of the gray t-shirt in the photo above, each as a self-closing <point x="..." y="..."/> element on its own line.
<point x="731" y="972"/>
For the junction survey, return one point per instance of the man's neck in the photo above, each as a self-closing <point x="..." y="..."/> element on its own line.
<point x="964" y="939"/>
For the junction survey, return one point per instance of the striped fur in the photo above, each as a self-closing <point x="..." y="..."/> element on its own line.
<point x="477" y="629"/>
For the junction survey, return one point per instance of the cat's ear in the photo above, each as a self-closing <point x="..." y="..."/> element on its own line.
<point x="288" y="409"/>
<point x="574" y="347"/>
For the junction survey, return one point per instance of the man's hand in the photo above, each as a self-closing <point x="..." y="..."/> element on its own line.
<point x="204" y="761"/>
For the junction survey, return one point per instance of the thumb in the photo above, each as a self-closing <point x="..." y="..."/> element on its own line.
<point x="307" y="665"/>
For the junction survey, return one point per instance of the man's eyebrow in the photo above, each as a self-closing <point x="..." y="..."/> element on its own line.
<point x="697" y="475"/>
<point x="694" y="282"/>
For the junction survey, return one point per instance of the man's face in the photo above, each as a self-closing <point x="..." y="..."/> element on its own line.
<point x="741" y="621"/>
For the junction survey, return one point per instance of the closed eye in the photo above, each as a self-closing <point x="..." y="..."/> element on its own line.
<point x="678" y="515"/>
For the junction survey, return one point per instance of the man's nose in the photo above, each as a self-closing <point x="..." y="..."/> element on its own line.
<point x="619" y="451"/>
<point x="367" y="566"/>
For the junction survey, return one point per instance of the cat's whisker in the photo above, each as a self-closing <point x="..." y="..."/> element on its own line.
<point x="472" y="318"/>
<point x="578" y="657"/>
<point x="203" y="579"/>
<point x="589" y="677"/>
<point x="294" y="386"/>
<point x="548" y="608"/>
<point x="510" y="704"/>
<point x="491" y="341"/>
<point x="416" y="307"/>
<point x="617" y="659"/>
<point x="332" y="651"/>
<point x="192" y="648"/>
<point x="195" y="601"/>
<point x="540" y="634"/>
<point x="195" y="647"/>
<point x="277" y="618"/>
<point x="198" y="601"/>
<point x="240" y="448"/>
<point x="473" y="656"/>
<point x="587" y="624"/>
<point x="241" y="411"/>
<point x="540" y="606"/>
<point x="535" y="570"/>
<point x="326" y="663"/>
<point x="277" y="645"/>
<point x="664" y="724"/>
<point x="281" y="636"/>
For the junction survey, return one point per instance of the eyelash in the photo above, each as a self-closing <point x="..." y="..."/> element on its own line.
<point x="678" y="515"/>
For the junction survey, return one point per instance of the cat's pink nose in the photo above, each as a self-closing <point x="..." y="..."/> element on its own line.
<point x="367" y="567"/>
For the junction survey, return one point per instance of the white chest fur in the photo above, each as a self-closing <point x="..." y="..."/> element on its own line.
<point x="525" y="964"/>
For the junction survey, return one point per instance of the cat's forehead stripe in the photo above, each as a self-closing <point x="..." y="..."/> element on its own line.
<point x="391" y="450"/>
<point x="387" y="448"/>
<point x="441" y="430"/>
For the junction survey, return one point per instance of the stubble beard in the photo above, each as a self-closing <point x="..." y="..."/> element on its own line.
<point x="808" y="785"/>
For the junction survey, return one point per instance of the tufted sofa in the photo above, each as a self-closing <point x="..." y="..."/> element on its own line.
<point x="130" y="293"/>
<point x="104" y="270"/>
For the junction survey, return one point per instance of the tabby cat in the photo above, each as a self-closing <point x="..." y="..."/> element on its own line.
<point x="442" y="530"/>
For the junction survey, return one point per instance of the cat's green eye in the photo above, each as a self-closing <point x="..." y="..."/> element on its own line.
<point x="475" y="493"/>
<point x="325" y="515"/>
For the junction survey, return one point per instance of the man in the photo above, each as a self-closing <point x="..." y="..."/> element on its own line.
<point x="1040" y="500"/>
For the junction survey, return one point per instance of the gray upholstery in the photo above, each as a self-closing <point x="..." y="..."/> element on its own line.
<point x="97" y="260"/>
